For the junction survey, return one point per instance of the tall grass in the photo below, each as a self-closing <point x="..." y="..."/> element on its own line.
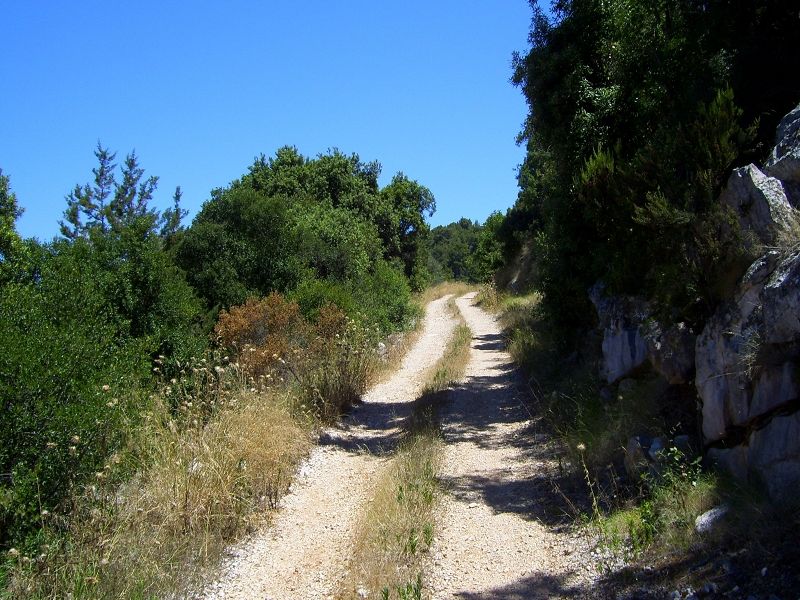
<point x="189" y="482"/>
<point x="398" y="527"/>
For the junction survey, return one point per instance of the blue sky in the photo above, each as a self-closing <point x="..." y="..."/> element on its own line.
<point x="199" y="89"/>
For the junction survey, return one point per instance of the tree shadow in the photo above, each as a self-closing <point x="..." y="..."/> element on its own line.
<point x="536" y="585"/>
<point x="536" y="487"/>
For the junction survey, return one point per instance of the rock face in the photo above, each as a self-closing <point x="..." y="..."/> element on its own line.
<point x="631" y="337"/>
<point x="759" y="203"/>
<point x="746" y="361"/>
<point x="784" y="162"/>
<point x="748" y="354"/>
<point x="670" y="350"/>
<point x="624" y="348"/>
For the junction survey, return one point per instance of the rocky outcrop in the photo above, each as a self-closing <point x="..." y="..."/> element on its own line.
<point x="759" y="202"/>
<point x="748" y="354"/>
<point x="632" y="337"/>
<point x="746" y="361"/>
<point x="784" y="162"/>
<point x="670" y="350"/>
<point x="620" y="319"/>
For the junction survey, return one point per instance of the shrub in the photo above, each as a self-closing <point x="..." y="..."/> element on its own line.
<point x="64" y="361"/>
<point x="313" y="294"/>
<point x="166" y="504"/>
<point x="264" y="334"/>
<point x="384" y="297"/>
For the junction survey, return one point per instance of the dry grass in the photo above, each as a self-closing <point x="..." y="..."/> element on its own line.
<point x="446" y="288"/>
<point x="198" y="482"/>
<point x="397" y="529"/>
<point x="395" y="533"/>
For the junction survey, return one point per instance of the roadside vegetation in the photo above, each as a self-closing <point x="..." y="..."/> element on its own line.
<point x="638" y="113"/>
<point x="160" y="383"/>
<point x="399" y="525"/>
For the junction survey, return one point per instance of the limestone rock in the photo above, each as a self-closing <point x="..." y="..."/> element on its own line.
<point x="775" y="456"/>
<point x="759" y="202"/>
<point x="711" y="519"/>
<point x="784" y="162"/>
<point x="746" y="356"/>
<point x="624" y="348"/>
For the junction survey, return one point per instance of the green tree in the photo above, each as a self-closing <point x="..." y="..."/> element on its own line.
<point x="405" y="237"/>
<point x="488" y="254"/>
<point x="11" y="246"/>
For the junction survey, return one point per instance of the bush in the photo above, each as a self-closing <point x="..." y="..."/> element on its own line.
<point x="64" y="360"/>
<point x="313" y="294"/>
<point x="384" y="298"/>
<point x="329" y="361"/>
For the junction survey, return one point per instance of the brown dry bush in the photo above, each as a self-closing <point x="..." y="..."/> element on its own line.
<point x="264" y="333"/>
<point x="329" y="361"/>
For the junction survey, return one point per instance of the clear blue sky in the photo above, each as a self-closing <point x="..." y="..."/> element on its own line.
<point x="199" y="89"/>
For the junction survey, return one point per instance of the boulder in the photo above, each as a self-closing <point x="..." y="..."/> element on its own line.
<point x="711" y="519"/>
<point x="759" y="202"/>
<point x="784" y="162"/>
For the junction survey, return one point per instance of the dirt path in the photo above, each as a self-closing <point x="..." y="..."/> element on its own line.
<point x="304" y="553"/>
<point x="499" y="535"/>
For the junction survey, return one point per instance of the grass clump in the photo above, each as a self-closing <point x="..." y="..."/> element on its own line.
<point x="663" y="516"/>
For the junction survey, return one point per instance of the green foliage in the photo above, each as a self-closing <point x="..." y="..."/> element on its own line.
<point x="11" y="247"/>
<point x="488" y="254"/>
<point x="319" y="230"/>
<point x="80" y="324"/>
<point x="449" y="248"/>
<point x="62" y="344"/>
<point x="632" y="130"/>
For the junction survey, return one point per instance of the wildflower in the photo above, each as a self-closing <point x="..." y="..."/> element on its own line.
<point x="106" y="387"/>
<point x="13" y="552"/>
<point x="75" y="439"/>
<point x="581" y="447"/>
<point x="45" y="513"/>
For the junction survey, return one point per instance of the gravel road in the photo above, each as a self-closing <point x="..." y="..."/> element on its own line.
<point x="498" y="535"/>
<point x="303" y="553"/>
